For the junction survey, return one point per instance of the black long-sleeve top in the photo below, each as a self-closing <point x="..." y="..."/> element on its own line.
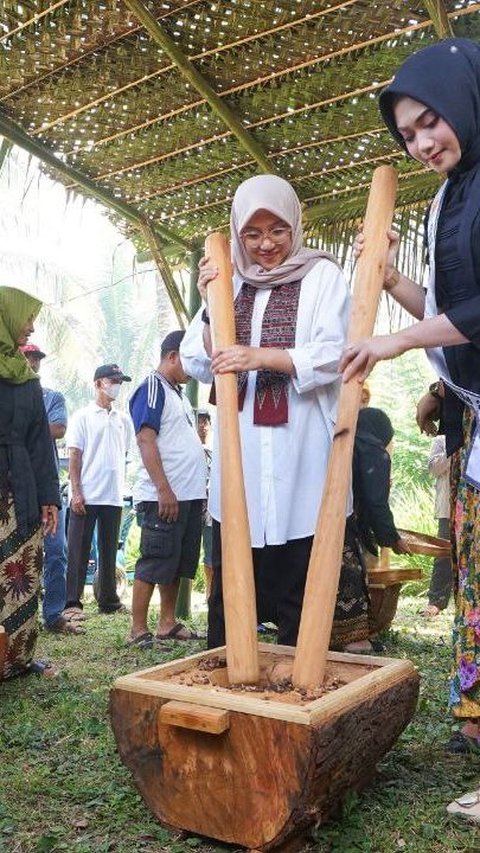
<point x="371" y="490"/>
<point x="457" y="291"/>
<point x="27" y="462"/>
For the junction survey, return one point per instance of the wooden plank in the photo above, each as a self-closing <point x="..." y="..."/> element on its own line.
<point x="389" y="576"/>
<point x="216" y="698"/>
<point x="200" y="718"/>
<point x="345" y="699"/>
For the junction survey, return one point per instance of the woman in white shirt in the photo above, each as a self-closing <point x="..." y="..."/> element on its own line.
<point x="291" y="312"/>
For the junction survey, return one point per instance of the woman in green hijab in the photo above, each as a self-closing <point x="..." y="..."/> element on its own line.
<point x="29" y="494"/>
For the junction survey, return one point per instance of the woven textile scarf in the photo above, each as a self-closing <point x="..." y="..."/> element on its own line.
<point x="278" y="330"/>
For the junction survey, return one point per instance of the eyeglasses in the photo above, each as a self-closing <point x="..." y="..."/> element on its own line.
<point x="276" y="235"/>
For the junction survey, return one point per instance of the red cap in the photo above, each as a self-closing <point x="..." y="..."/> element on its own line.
<point x="32" y="349"/>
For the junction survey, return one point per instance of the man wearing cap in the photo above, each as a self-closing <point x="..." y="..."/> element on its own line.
<point x="98" y="439"/>
<point x="55" y="548"/>
<point x="168" y="494"/>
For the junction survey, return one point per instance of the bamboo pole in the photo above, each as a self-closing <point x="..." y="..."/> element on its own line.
<point x="440" y="20"/>
<point x="183" y="608"/>
<point x="237" y="563"/>
<point x="155" y="246"/>
<point x="326" y="557"/>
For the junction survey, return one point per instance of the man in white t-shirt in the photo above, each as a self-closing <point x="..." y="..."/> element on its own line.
<point x="169" y="495"/>
<point x="98" y="439"/>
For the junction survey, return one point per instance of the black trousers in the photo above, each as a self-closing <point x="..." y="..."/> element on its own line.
<point x="441" y="580"/>
<point x="80" y="532"/>
<point x="280" y="574"/>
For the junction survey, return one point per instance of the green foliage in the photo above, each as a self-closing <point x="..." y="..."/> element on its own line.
<point x="198" y="583"/>
<point x="396" y="387"/>
<point x="132" y="547"/>
<point x="99" y="304"/>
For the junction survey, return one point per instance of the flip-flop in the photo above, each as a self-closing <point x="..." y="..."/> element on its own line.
<point x="174" y="632"/>
<point x="467" y="807"/>
<point x="142" y="641"/>
<point x="42" y="667"/>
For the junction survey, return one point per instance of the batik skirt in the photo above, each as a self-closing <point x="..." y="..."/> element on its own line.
<point x="21" y="560"/>
<point x="351" y="622"/>
<point x="465" y="537"/>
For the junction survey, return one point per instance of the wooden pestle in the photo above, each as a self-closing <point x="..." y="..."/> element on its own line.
<point x="237" y="562"/>
<point x="326" y="557"/>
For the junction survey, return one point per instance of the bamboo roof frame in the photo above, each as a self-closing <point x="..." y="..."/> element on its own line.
<point x="159" y="108"/>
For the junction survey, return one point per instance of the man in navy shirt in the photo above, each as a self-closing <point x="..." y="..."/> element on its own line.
<point x="55" y="549"/>
<point x="168" y="493"/>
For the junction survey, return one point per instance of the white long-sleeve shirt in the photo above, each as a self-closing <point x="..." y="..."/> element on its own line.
<point x="285" y="466"/>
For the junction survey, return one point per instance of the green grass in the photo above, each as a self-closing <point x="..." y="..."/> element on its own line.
<point x="63" y="788"/>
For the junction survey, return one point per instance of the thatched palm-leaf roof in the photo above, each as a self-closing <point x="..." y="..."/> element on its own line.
<point x="163" y="106"/>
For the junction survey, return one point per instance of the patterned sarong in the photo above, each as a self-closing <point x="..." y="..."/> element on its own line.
<point x="465" y="537"/>
<point x="21" y="560"/>
<point x="351" y="620"/>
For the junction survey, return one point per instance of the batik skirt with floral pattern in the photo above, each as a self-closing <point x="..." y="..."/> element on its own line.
<point x="21" y="560"/>
<point x="465" y="527"/>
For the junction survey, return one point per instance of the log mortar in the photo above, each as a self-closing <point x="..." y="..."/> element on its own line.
<point x="257" y="769"/>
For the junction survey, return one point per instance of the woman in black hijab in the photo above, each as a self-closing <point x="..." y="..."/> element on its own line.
<point x="371" y="482"/>
<point x="432" y="108"/>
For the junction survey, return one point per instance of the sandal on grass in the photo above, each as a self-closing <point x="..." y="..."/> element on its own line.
<point x="179" y="632"/>
<point x="42" y="667"/>
<point x="63" y="626"/>
<point x="74" y="614"/>
<point x="466" y="807"/>
<point x="462" y="744"/>
<point x="141" y="641"/>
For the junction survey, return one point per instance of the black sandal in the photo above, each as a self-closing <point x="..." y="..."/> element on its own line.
<point x="142" y="641"/>
<point x="463" y="744"/>
<point x="42" y="667"/>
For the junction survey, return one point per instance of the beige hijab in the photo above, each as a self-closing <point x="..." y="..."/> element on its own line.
<point x="269" y="192"/>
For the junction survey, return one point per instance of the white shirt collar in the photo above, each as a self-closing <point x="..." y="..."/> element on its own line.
<point x="93" y="405"/>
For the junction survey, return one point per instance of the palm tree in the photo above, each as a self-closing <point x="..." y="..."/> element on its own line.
<point x="101" y="305"/>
